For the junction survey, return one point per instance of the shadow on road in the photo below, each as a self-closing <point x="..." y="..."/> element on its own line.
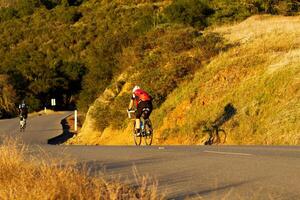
<point x="64" y="136"/>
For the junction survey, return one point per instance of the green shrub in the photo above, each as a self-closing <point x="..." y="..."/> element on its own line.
<point x="118" y="111"/>
<point x="289" y="7"/>
<point x="191" y="12"/>
<point x="102" y="116"/>
<point x="68" y="15"/>
<point x="75" y="2"/>
<point x="94" y="83"/>
<point x="34" y="103"/>
<point x="49" y="4"/>
<point x="27" y="7"/>
<point x="7" y="14"/>
<point x="230" y="10"/>
<point x="209" y="45"/>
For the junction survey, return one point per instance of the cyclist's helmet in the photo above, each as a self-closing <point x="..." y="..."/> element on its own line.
<point x="135" y="88"/>
<point x="22" y="105"/>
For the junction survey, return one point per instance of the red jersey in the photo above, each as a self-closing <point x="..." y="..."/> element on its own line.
<point x="141" y="95"/>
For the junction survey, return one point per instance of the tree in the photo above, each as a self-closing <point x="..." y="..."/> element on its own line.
<point x="7" y="95"/>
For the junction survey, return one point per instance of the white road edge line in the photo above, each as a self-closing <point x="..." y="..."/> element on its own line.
<point x="229" y="153"/>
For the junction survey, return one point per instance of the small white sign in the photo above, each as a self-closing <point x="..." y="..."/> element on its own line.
<point x="75" y="120"/>
<point x="53" y="102"/>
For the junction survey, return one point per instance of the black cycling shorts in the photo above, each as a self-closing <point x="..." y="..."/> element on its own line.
<point x="144" y="107"/>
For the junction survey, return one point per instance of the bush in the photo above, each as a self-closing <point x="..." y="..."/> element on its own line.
<point x="53" y="3"/>
<point x="230" y="10"/>
<point x="289" y="7"/>
<point x="49" y="4"/>
<point x="7" y="96"/>
<point x="282" y="7"/>
<point x="102" y="116"/>
<point x="118" y="111"/>
<point x="191" y="12"/>
<point x="209" y="45"/>
<point x="69" y="15"/>
<point x="7" y="14"/>
<point x="27" y="7"/>
<point x="34" y="103"/>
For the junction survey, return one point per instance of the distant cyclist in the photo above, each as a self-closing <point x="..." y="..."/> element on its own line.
<point x="23" y="110"/>
<point x="23" y="114"/>
<point x="143" y="102"/>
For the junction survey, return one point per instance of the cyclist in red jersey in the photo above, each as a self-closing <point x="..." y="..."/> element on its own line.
<point x="143" y="103"/>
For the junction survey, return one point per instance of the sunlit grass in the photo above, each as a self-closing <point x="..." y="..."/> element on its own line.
<point x="23" y="176"/>
<point x="258" y="74"/>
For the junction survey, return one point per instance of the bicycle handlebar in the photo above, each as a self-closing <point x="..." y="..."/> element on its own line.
<point x="129" y="113"/>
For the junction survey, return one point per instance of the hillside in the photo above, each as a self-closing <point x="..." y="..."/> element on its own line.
<point x="72" y="50"/>
<point x="255" y="75"/>
<point x="195" y="57"/>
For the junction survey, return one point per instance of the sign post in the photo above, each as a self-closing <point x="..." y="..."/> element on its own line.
<point x="53" y="102"/>
<point x="75" y="120"/>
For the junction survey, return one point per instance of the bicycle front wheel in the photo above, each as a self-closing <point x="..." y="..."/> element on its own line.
<point x="137" y="139"/>
<point x="148" y="132"/>
<point x="222" y="136"/>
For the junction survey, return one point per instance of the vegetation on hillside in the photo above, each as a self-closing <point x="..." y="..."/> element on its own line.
<point x="7" y="97"/>
<point x="250" y="88"/>
<point x="257" y="78"/>
<point x="71" y="49"/>
<point x="79" y="51"/>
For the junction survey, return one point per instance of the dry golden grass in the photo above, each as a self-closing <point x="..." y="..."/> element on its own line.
<point x="29" y="177"/>
<point x="259" y="75"/>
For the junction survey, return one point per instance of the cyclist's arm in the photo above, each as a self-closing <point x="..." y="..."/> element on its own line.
<point x="131" y="104"/>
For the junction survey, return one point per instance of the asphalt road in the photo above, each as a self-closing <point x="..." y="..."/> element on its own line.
<point x="198" y="172"/>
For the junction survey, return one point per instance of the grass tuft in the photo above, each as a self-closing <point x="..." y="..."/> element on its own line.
<point x="31" y="177"/>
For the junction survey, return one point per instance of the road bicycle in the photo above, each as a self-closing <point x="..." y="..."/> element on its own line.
<point x="146" y="130"/>
<point x="216" y="135"/>
<point x="22" y="124"/>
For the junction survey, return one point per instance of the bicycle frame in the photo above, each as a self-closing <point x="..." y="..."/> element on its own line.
<point x="22" y="124"/>
<point x="147" y="135"/>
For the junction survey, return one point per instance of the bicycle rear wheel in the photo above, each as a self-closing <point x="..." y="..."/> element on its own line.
<point x="148" y="132"/>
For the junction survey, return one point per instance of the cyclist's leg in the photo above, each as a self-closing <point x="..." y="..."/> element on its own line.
<point x="147" y="109"/>
<point x="138" y="126"/>
<point x="138" y="115"/>
<point x="21" y="120"/>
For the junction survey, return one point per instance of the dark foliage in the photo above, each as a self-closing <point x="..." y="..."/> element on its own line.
<point x="191" y="12"/>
